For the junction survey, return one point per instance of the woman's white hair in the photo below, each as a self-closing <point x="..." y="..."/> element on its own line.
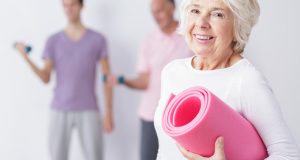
<point x="246" y="13"/>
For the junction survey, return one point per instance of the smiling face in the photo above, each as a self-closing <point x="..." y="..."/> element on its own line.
<point x="209" y="28"/>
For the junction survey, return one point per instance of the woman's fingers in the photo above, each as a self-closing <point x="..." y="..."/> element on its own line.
<point x="218" y="155"/>
<point x="219" y="149"/>
<point x="190" y="155"/>
<point x="219" y="145"/>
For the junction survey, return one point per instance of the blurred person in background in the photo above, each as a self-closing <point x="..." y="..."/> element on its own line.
<point x="74" y="54"/>
<point x="158" y="49"/>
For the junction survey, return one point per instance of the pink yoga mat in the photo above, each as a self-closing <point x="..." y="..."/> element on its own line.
<point x="196" y="117"/>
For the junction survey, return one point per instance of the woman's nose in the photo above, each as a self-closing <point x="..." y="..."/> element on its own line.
<point x="203" y="22"/>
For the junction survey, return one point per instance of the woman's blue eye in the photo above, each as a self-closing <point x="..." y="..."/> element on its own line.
<point x="195" y="11"/>
<point x="218" y="14"/>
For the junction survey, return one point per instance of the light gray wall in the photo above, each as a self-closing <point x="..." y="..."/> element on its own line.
<point x="24" y="100"/>
<point x="274" y="49"/>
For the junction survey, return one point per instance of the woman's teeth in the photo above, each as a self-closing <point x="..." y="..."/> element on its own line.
<point x="203" y="37"/>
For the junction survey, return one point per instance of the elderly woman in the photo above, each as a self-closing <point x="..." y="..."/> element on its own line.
<point x="217" y="32"/>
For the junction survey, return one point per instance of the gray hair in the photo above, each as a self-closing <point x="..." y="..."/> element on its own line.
<point x="245" y="12"/>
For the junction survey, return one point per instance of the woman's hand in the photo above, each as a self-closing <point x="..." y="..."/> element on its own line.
<point x="218" y="155"/>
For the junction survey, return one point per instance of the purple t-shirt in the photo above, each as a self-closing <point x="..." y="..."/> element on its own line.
<point x="75" y="64"/>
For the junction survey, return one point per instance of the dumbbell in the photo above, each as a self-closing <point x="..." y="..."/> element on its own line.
<point x="28" y="48"/>
<point x="121" y="79"/>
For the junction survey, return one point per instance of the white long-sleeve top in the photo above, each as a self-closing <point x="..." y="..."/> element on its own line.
<point x="244" y="89"/>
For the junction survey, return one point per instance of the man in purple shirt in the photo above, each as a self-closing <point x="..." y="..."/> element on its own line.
<point x="74" y="54"/>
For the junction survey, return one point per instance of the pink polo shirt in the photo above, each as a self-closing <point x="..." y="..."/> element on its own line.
<point x="156" y="51"/>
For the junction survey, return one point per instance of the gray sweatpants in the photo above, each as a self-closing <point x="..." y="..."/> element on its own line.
<point x="89" y="126"/>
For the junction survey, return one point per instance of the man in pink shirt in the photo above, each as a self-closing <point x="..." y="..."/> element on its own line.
<point x="158" y="49"/>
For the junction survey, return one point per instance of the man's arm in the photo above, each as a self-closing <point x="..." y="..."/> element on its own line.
<point x="43" y="73"/>
<point x="108" y="92"/>
<point x="140" y="83"/>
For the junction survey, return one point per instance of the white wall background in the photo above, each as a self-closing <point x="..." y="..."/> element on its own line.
<point x="24" y="100"/>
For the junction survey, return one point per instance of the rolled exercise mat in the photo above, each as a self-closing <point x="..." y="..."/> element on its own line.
<point x="195" y="118"/>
